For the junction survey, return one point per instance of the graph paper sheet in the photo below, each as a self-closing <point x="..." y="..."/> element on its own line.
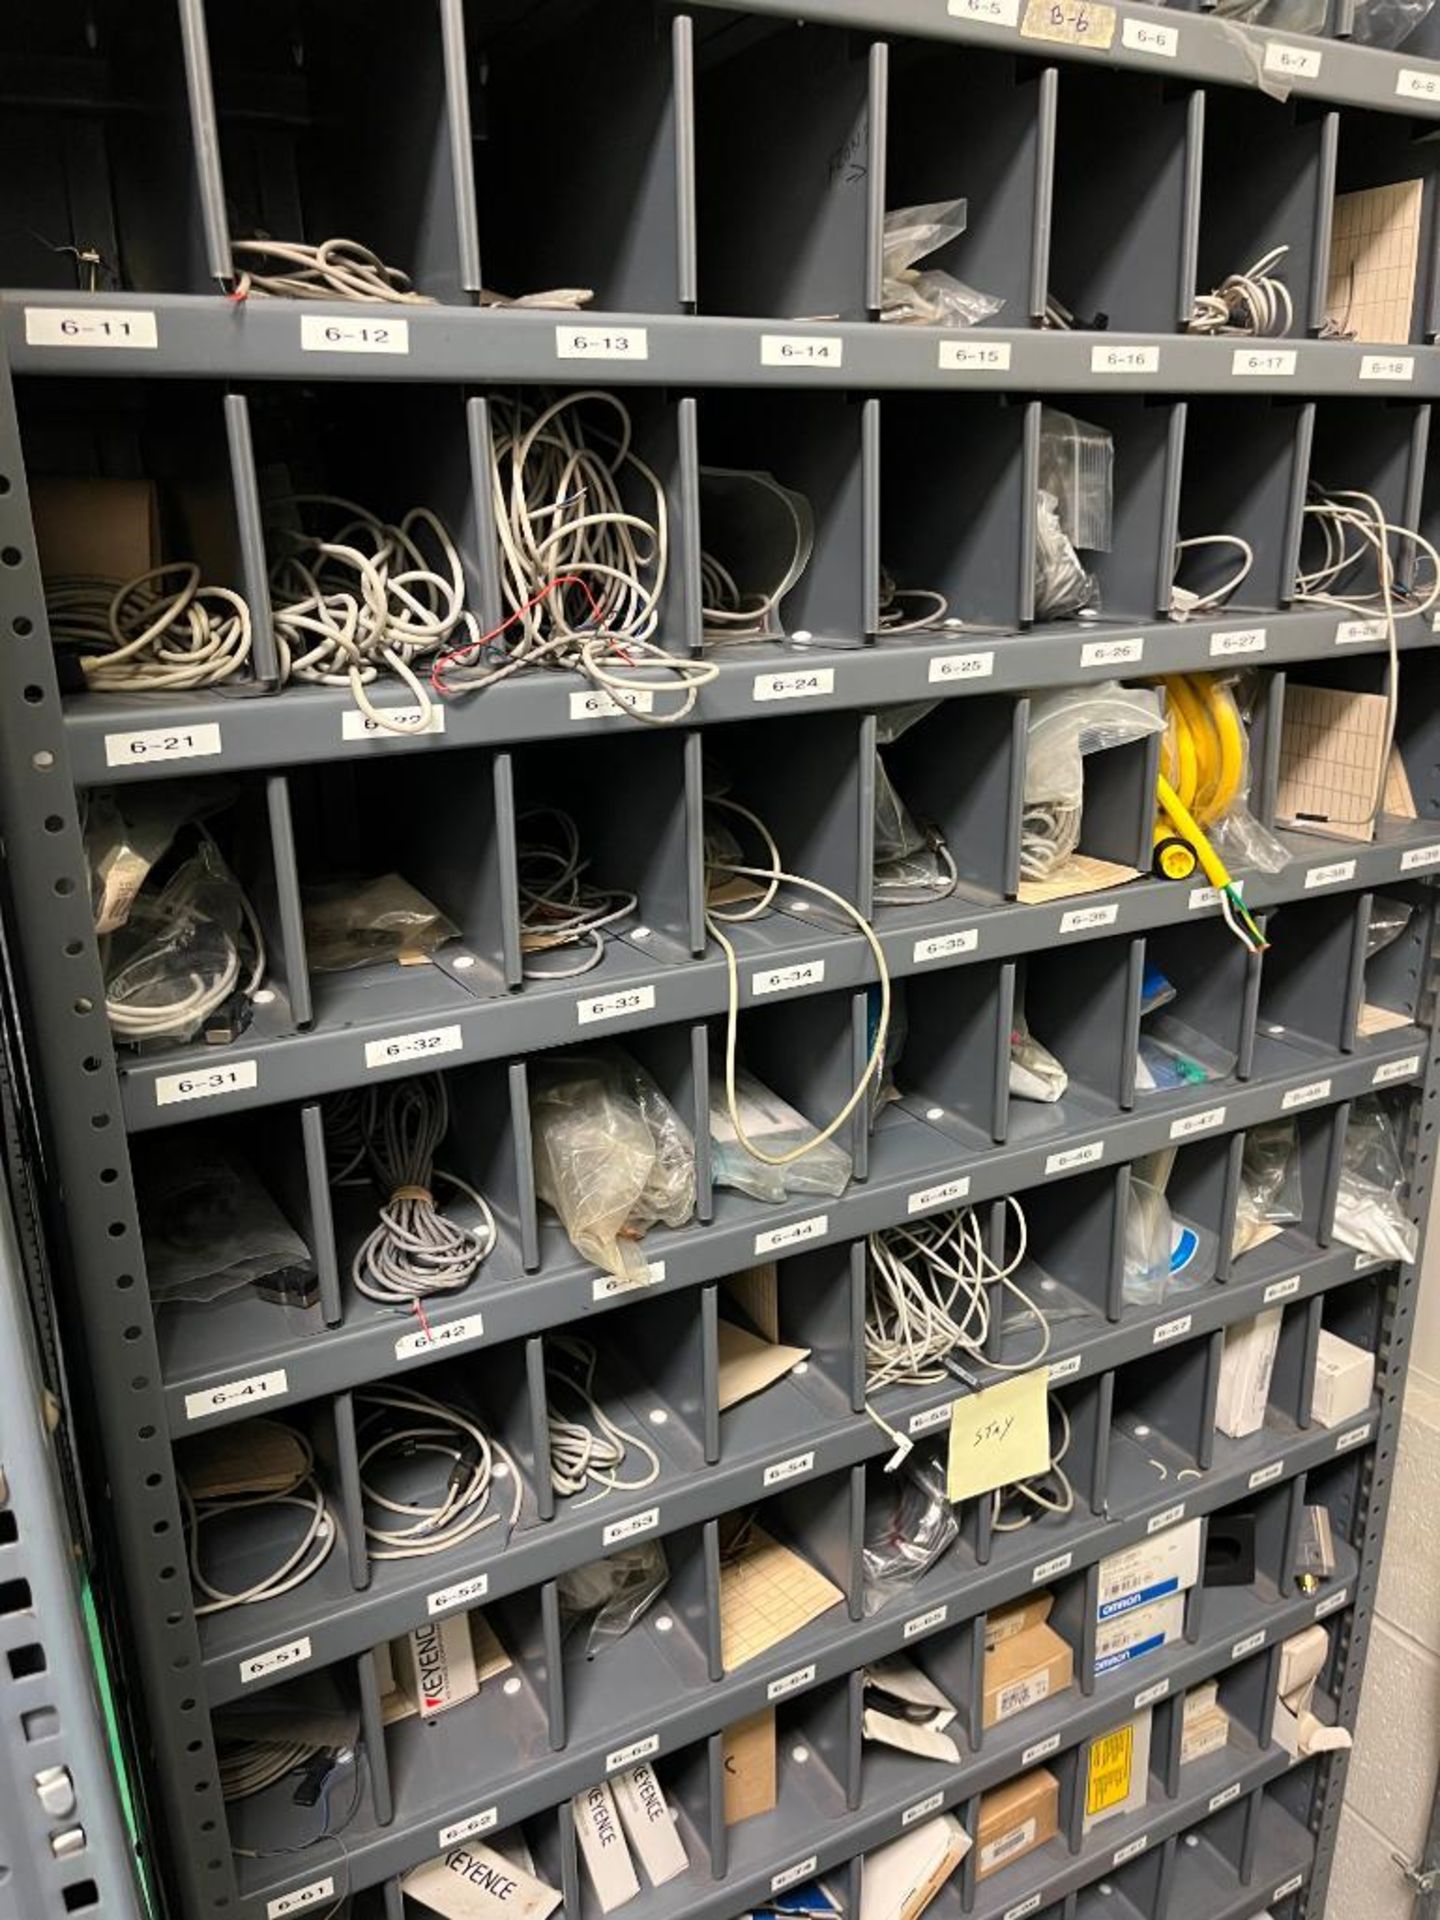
<point x="1374" y="247"/>
<point x="1330" y="758"/>
<point x="767" y="1593"/>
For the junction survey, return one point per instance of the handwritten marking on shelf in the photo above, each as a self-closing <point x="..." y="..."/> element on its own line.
<point x="1069" y="23"/>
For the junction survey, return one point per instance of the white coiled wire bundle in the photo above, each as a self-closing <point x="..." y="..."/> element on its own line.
<point x="398" y="1423"/>
<point x="164" y="631"/>
<point x="1038" y="1496"/>
<point x="589" y="1450"/>
<point x="414" y="1251"/>
<point x="559" y="907"/>
<point x="302" y="1494"/>
<point x="364" y="598"/>
<point x="929" y="1298"/>
<point x="1256" y="302"/>
<point x="345" y="270"/>
<point x="248" y="1767"/>
<point x="583" y="571"/>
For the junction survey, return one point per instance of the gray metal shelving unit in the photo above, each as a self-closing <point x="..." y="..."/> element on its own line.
<point x="726" y="140"/>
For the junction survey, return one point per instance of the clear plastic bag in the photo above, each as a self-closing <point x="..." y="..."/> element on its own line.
<point x="178" y="955"/>
<point x="1216" y="714"/>
<point x="612" y="1156"/>
<point x="1077" y="468"/>
<point x="1062" y="585"/>
<point x="367" y="923"/>
<point x="1290" y="16"/>
<point x="1149" y="1241"/>
<point x="909" y="1525"/>
<point x="1035" y="1073"/>
<point x="1387" y="23"/>
<point x="758" y="539"/>
<point x="1064" y="727"/>
<point x="613" y="1594"/>
<point x="126" y="836"/>
<point x="1271" y="1195"/>
<point x="1388" y="920"/>
<point x="777" y="1127"/>
<point x="1369" y="1211"/>
<point x="909" y="867"/>
<point x="931" y="298"/>
<point x="1173" y="1054"/>
<point x="211" y="1228"/>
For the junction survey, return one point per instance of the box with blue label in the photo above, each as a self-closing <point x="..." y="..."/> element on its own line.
<point x="1129" y="1636"/>
<point x="1167" y="1563"/>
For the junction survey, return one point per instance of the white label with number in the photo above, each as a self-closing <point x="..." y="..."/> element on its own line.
<point x="1334" y="874"/>
<point x="602" y="343"/>
<point x="158" y="744"/>
<point x="325" y="333"/>
<point x="792" y="1683"/>
<point x="1305" y="1096"/>
<point x="947" y="1194"/>
<point x="809" y="683"/>
<point x="931" y="1804"/>
<point x="945" y="946"/>
<point x="278" y="1660"/>
<point x="1395" y="1070"/>
<point x="1171" y="1329"/>
<point x="614" y="1006"/>
<point x="1026" y="1907"/>
<point x="1050" y="1744"/>
<point x="1113" y="653"/>
<point x="1143" y="36"/>
<point x="1266" y="1476"/>
<point x="947" y="668"/>
<point x="923" y="1622"/>
<point x="1353" y="633"/>
<point x="1419" y="857"/>
<point x="414" y="721"/>
<point x="1072" y="1157"/>
<point x="89" y="327"/>
<point x="1415" y="83"/>
<point x="206" y="1083"/>
<point x="1225" y="1796"/>
<point x="454" y="1333"/>
<point x="1282" y="1289"/>
<point x="1118" y="359"/>
<point x="1171" y="1517"/>
<point x="638" y="1523"/>
<point x="637" y="1750"/>
<point x="1048" y="1569"/>
<point x="1287" y="1887"/>
<point x="401" y="1048"/>
<point x="1387" y="366"/>
<point x="465" y="1593"/>
<point x="1356" y="1437"/>
<point x="793" y="1469"/>
<point x="1147" y="1696"/>
<point x="1333" y="1604"/>
<point x="1087" y="919"/>
<point x="1063" y="1369"/>
<point x="801" y="350"/>
<point x="597" y="704"/>
<point x="467" y="1829"/>
<point x="1252" y="1643"/>
<point x="1295" y="63"/>
<point x="237" y="1393"/>
<point x="1130" y="1851"/>
<point x="605" y="1286"/>
<point x="302" y="1898"/>
<point x="815" y="1228"/>
<point x="974" y="356"/>
<point x="1224" y="646"/>
<point x="931" y="1418"/>
<point x="993" y="13"/>
<point x="792" y="1876"/>
<point x="808" y="973"/>
<point x="1266" y="363"/>
<point x="1194" y="1123"/>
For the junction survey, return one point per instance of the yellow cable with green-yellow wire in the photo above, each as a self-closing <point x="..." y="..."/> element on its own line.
<point x="1202" y="771"/>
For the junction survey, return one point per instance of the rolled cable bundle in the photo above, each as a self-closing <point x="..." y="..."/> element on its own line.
<point x="363" y="600"/>
<point x="1035" y="1496"/>
<point x="559" y="908"/>
<point x="1255" y="302"/>
<point x="161" y="631"/>
<point x="928" y="1298"/>
<point x="250" y="1767"/>
<point x="298" y="1490"/>
<point x="912" y="609"/>
<point x="720" y="862"/>
<point x="398" y="1423"/>
<point x="755" y="525"/>
<point x="415" y="1251"/>
<point x="345" y="270"/>
<point x="582" y="573"/>
<point x="588" y="1449"/>
<point x="1187" y="603"/>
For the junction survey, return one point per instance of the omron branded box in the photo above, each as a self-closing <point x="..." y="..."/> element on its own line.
<point x="1167" y="1563"/>
<point x="1129" y="1636"/>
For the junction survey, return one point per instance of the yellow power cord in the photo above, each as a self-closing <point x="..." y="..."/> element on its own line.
<point x="1202" y="767"/>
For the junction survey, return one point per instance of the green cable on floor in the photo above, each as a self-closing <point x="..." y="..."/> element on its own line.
<point x="114" y="1735"/>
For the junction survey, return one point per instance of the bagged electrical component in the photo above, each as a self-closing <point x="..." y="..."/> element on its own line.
<point x="211" y="1228"/>
<point x="931" y="298"/>
<point x="1271" y="1196"/>
<point x="613" y="1594"/>
<point x="126" y="837"/>
<point x="1205" y="756"/>
<point x="1173" y="1054"/>
<point x="758" y="539"/>
<point x="1387" y="23"/>
<point x="185" y="950"/>
<point x="1065" y="726"/>
<point x="1369" y="1211"/>
<point x="1388" y="920"/>
<point x="612" y="1156"/>
<point x="367" y="923"/>
<point x="1035" y="1073"/>
<point x="1289" y="16"/>
<point x="913" y="865"/>
<point x="1149" y="1244"/>
<point x="777" y="1128"/>
<point x="1062" y="584"/>
<point x="909" y="1525"/>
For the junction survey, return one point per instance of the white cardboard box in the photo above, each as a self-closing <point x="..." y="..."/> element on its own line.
<point x="1167" y="1563"/>
<point x="1129" y="1636"/>
<point x="607" y="1858"/>
<point x="1344" y="1380"/>
<point x="1245" y="1370"/>
<point x="649" y="1825"/>
<point x="435" y="1665"/>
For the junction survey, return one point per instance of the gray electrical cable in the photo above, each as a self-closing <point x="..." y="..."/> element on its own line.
<point x="559" y="908"/>
<point x="591" y="1450"/>
<point x="144" y="636"/>
<point x="344" y="270"/>
<point x="303" y="1493"/>
<point x="1254" y="302"/>
<point x="396" y="1421"/>
<point x="1034" y="1491"/>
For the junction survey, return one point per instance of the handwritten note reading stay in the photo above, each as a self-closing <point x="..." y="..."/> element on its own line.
<point x="999" y="1436"/>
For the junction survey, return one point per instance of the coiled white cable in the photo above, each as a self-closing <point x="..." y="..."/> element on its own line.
<point x="1049" y="834"/>
<point x="144" y="636"/>
<point x="303" y="1494"/>
<point x="415" y="1251"/>
<point x="591" y="1450"/>
<point x="1186" y="604"/>
<point x="1253" y="302"/>
<point x="558" y="907"/>
<point x="718" y="862"/>
<point x="1035" y="1493"/>
<point x="895" y="887"/>
<point x="929" y="1297"/>
<point x="396" y="1421"/>
<point x="248" y="1767"/>
<point x="344" y="270"/>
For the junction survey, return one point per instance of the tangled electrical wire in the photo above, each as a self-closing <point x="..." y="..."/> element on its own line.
<point x="1049" y="835"/>
<point x="1038" y="1494"/>
<point x="589" y="1450"/>
<point x="895" y="603"/>
<point x="301" y="1492"/>
<point x="250" y="1767"/>
<point x="929" y="1298"/>
<point x="1256" y="302"/>
<point x="414" y="1251"/>
<point x="723" y="862"/>
<point x="1188" y="604"/>
<point x="163" y="631"/>
<point x="583" y="572"/>
<point x="398" y="1424"/>
<point x="345" y="270"/>
<point x="559" y="908"/>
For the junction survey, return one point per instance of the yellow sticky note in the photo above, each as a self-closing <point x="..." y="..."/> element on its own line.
<point x="999" y="1436"/>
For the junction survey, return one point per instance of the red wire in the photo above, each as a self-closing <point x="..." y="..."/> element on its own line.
<point x="437" y="671"/>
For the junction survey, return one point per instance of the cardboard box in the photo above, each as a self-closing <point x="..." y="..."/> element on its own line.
<point x="1203" y="1733"/>
<point x="1117" y="1778"/>
<point x="1017" y="1818"/>
<point x="1203" y="1697"/>
<point x="1023" y="1670"/>
<point x="1167" y="1563"/>
<point x="1005" y="1622"/>
<point x="750" y="1781"/>
<point x="904" y="1708"/>
<point x="1130" y="1636"/>
<point x="602" y="1845"/>
<point x="900" y="1879"/>
<point x="1245" y="1371"/>
<point x="1344" y="1380"/>
<point x="474" y="1883"/>
<point x="649" y="1824"/>
<point x="435" y="1665"/>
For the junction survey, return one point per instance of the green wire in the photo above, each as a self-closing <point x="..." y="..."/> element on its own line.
<point x="116" y="1739"/>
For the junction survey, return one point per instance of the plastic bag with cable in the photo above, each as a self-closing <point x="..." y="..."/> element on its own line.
<point x="1271" y="1195"/>
<point x="1205" y="756"/>
<point x="613" y="1594"/>
<point x="1065" y="726"/>
<point x="182" y="952"/>
<point x="1369" y="1211"/>
<point x="909" y="1525"/>
<point x="612" y="1156"/>
<point x="366" y="923"/>
<point x="1388" y="920"/>
<point x="1387" y="23"/>
<point x="776" y="1125"/>
<point x="930" y="298"/>
<point x="912" y="863"/>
